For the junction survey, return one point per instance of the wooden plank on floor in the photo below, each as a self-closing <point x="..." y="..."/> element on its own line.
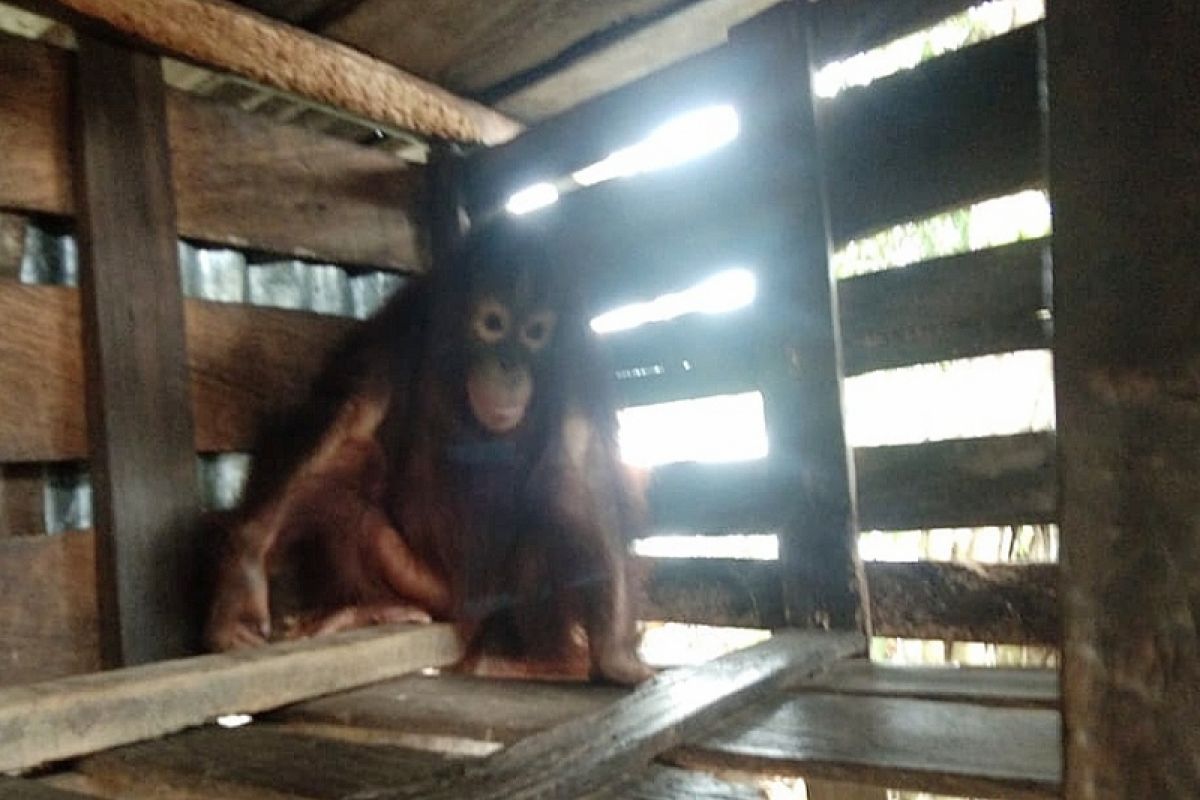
<point x="1126" y="191"/>
<point x="978" y="685"/>
<point x="833" y="790"/>
<point x="256" y="762"/>
<point x="935" y="746"/>
<point x="48" y="624"/>
<point x="140" y="430"/>
<point x="23" y="789"/>
<point x="596" y="750"/>
<point x="657" y="782"/>
<point x="292" y="60"/>
<point x="989" y="301"/>
<point x="64" y="718"/>
<point x="458" y="706"/>
<point x="243" y="363"/>
<point x="239" y="178"/>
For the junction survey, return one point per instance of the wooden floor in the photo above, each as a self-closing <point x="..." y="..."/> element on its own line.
<point x="983" y="733"/>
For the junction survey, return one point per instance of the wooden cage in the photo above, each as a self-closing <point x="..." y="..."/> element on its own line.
<point x="1096" y="103"/>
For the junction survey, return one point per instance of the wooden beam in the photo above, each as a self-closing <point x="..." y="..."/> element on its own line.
<point x="66" y="718"/>
<point x="1125" y="185"/>
<point x="1001" y="686"/>
<point x="138" y="409"/>
<point x="218" y="34"/>
<point x="22" y="499"/>
<point x="21" y="789"/>
<point x="923" y="745"/>
<point x="243" y="363"/>
<point x="239" y="178"/>
<point x="599" y="749"/>
<point x="712" y="591"/>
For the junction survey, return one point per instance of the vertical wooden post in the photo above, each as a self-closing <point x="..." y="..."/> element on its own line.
<point x="139" y="412"/>
<point x="1124" y="114"/>
<point x="797" y="301"/>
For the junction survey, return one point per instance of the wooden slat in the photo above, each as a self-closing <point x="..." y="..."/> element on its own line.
<point x="65" y="718"/>
<point x="713" y="591"/>
<point x="979" y="685"/>
<point x="1002" y="603"/>
<point x="947" y="748"/>
<point x="140" y="429"/>
<point x="48" y="624"/>
<point x="20" y="789"/>
<point x="666" y="783"/>
<point x="599" y="749"/>
<point x="989" y="301"/>
<point x="1126" y="191"/>
<point x="239" y="179"/>
<point x="221" y="35"/>
<point x="1002" y="480"/>
<point x="243" y="361"/>
<point x="833" y="790"/>
<point x="252" y="763"/>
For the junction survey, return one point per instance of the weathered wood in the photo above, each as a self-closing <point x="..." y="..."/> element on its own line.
<point x="1124" y="175"/>
<point x="12" y="245"/>
<point x="599" y="749"/>
<point x="74" y="716"/>
<point x="252" y="763"/>
<point x="48" y="624"/>
<point x="457" y="706"/>
<point x="831" y="790"/>
<point x="797" y="307"/>
<point x="243" y="362"/>
<point x="22" y="500"/>
<point x="989" y="301"/>
<point x="666" y="783"/>
<point x="239" y="178"/>
<point x="20" y="789"/>
<point x="138" y="409"/>
<point x="1010" y="603"/>
<point x="712" y="591"/>
<point x="948" y="748"/>
<point x="218" y="34"/>
<point x="978" y="685"/>
<point x="1001" y="480"/>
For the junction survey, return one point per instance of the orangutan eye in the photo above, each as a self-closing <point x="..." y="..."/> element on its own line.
<point x="491" y="321"/>
<point x="537" y="331"/>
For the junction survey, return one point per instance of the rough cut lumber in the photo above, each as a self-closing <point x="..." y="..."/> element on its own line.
<point x="599" y="749"/>
<point x="713" y="591"/>
<point x="19" y="789"/>
<point x="1010" y="603"/>
<point x="933" y="746"/>
<point x="243" y="362"/>
<point x="1126" y="184"/>
<point x="139" y="416"/>
<point x="979" y="685"/>
<point x="48" y="625"/>
<point x="988" y="301"/>
<point x="74" y="716"/>
<point x="221" y="35"/>
<point x="665" y="783"/>
<point x="797" y="306"/>
<point x="239" y="178"/>
<point x="833" y="790"/>
<point x="22" y="499"/>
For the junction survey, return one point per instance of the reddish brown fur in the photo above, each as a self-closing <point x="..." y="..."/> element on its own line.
<point x="408" y="509"/>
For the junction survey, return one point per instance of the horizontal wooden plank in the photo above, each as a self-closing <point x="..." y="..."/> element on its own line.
<point x="233" y="39"/>
<point x="48" y="622"/>
<point x="599" y="749"/>
<point x="988" y="301"/>
<point x="239" y="178"/>
<point x="1001" y="480"/>
<point x="21" y="789"/>
<point x="69" y="717"/>
<point x="713" y="591"/>
<point x="934" y="746"/>
<point x="667" y="783"/>
<point x="956" y="129"/>
<point x="979" y="685"/>
<point x="243" y="361"/>
<point x="1003" y="603"/>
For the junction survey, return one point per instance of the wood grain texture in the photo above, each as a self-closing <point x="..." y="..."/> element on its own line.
<point x="218" y="34"/>
<point x="140" y="430"/>
<point x="70" y="717"/>
<point x="712" y="591"/>
<point x="980" y="685"/>
<point x="22" y="500"/>
<point x="1124" y="175"/>
<point x="988" y="301"/>
<point x="48" y="623"/>
<point x="1009" y="603"/>
<point x="242" y="361"/>
<point x="20" y="789"/>
<point x="666" y="783"/>
<point x="600" y="749"/>
<point x="239" y="179"/>
<point x="832" y="790"/>
<point x="947" y="748"/>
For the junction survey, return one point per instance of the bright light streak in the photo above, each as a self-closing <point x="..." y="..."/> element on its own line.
<point x="708" y="430"/>
<point x="677" y="140"/>
<point x="726" y="291"/>
<point x="531" y="198"/>
<point x="234" y="720"/>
